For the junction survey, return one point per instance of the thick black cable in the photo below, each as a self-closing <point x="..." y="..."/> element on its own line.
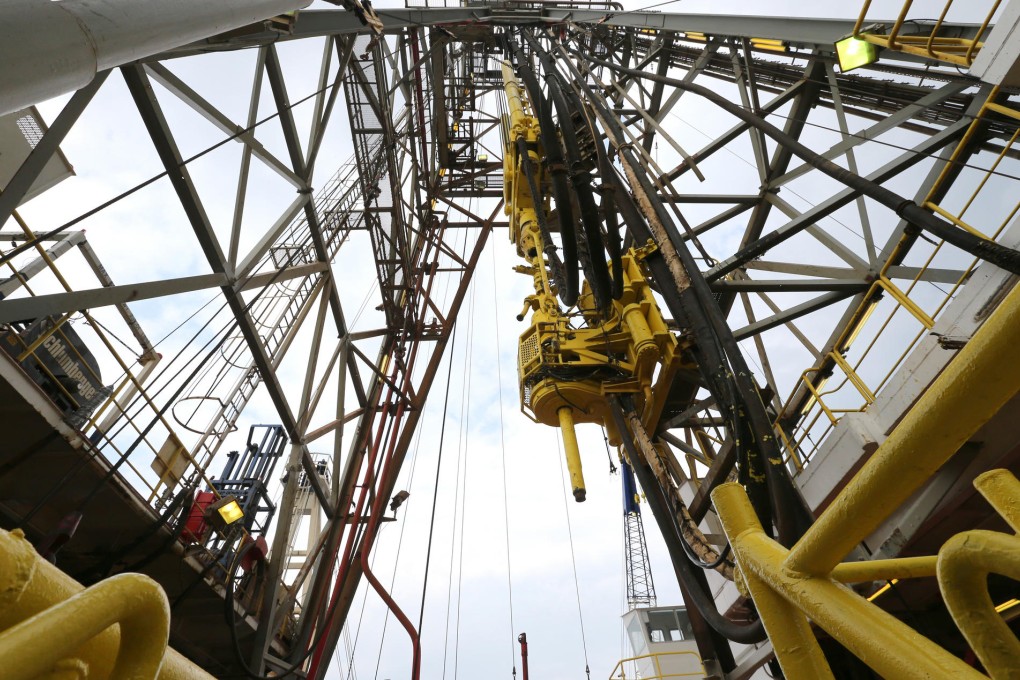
<point x="747" y="634"/>
<point x="698" y="562"/>
<point x="548" y="246"/>
<point x="557" y="170"/>
<point x="686" y="308"/>
<point x="231" y="616"/>
<point x="581" y="179"/>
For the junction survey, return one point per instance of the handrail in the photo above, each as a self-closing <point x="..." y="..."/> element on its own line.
<point x="959" y="51"/>
<point x="656" y="658"/>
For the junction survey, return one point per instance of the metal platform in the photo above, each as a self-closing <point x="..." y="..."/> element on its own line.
<point x="39" y="452"/>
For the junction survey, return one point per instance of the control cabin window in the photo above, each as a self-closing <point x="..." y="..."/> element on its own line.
<point x="670" y="625"/>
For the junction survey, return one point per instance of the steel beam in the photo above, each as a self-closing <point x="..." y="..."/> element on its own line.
<point x="21" y="183"/>
<point x="824" y="208"/>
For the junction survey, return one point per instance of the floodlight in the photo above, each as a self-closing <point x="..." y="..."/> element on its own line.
<point x="854" y="53"/>
<point x="225" y="512"/>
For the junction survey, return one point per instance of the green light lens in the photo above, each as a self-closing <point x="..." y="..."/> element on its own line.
<point x="854" y="53"/>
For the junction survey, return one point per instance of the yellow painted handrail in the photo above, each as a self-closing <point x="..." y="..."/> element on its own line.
<point x="656" y="658"/>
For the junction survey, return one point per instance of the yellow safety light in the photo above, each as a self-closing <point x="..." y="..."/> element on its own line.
<point x="224" y="512"/>
<point x="854" y="53"/>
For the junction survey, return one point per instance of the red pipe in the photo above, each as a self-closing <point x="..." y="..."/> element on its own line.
<point x="373" y="525"/>
<point x="373" y="521"/>
<point x="523" y="639"/>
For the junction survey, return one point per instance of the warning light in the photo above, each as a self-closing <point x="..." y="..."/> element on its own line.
<point x="854" y="53"/>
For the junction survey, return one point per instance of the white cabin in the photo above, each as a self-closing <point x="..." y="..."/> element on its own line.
<point x="663" y="645"/>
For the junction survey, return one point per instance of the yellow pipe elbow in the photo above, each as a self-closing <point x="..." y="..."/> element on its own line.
<point x="46" y="616"/>
<point x="136" y="602"/>
<point x="963" y="566"/>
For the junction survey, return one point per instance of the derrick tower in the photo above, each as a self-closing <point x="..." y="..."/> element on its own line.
<point x="773" y="256"/>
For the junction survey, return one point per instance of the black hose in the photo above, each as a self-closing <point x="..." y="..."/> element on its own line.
<point x="612" y="226"/>
<point x="791" y="514"/>
<point x="748" y="634"/>
<point x="696" y="560"/>
<point x="581" y="179"/>
<point x="548" y="247"/>
<point x="557" y="170"/>
<point x="231" y="616"/>
<point x="695" y="306"/>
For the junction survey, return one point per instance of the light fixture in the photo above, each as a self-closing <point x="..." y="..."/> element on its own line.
<point x="855" y="52"/>
<point x="225" y="512"/>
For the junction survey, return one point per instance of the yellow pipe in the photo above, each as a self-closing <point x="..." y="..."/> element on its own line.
<point x="890" y="647"/>
<point x="514" y="97"/>
<point x="789" y="631"/>
<point x="572" y="452"/>
<point x="46" y="616"/>
<point x="885" y="570"/>
<point x="965" y="561"/>
<point x="972" y="389"/>
<point x="134" y="601"/>
<point x="1002" y="491"/>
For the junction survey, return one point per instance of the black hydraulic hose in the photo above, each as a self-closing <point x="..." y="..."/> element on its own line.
<point x="747" y="634"/>
<point x="698" y="304"/>
<point x="612" y="226"/>
<point x="581" y="179"/>
<point x="708" y="352"/>
<point x="548" y="247"/>
<point x="696" y="561"/>
<point x="557" y="170"/>
<point x="906" y="209"/>
<point x="791" y="514"/>
<point x="231" y="617"/>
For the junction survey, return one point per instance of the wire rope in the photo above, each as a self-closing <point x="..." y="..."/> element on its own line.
<point x="502" y="449"/>
<point x="439" y="462"/>
<point x="456" y="499"/>
<point x="573" y="560"/>
<point x="465" y="438"/>
<point x="138" y="187"/>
